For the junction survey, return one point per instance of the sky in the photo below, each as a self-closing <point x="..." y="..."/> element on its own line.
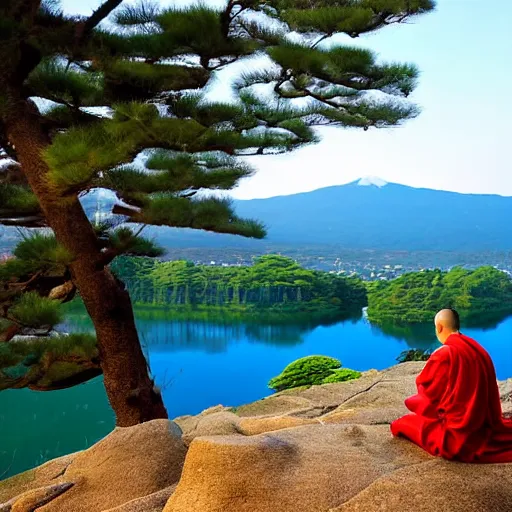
<point x="461" y="141"/>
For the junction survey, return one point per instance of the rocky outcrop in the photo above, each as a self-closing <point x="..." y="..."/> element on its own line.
<point x="128" y="464"/>
<point x="309" y="468"/>
<point x="323" y="449"/>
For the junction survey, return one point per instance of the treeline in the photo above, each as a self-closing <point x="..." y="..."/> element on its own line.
<point x="278" y="283"/>
<point x="478" y="295"/>
<point x="272" y="282"/>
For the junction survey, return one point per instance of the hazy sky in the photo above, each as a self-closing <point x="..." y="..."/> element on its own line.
<point x="462" y="139"/>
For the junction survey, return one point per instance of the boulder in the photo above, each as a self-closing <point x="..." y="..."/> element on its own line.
<point x="217" y="423"/>
<point x="128" y="464"/>
<point x="309" y="468"/>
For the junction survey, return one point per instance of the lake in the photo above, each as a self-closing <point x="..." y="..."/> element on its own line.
<point x="204" y="362"/>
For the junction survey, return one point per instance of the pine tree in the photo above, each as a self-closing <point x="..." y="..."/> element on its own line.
<point x="81" y="97"/>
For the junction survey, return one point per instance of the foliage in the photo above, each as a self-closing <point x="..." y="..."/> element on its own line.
<point x="150" y="70"/>
<point x="54" y="348"/>
<point x="273" y="282"/>
<point x="16" y="198"/>
<point x="310" y="371"/>
<point x="32" y="310"/>
<point x="416" y="297"/>
<point x="341" y="375"/>
<point x="37" y="268"/>
<point x="43" y="249"/>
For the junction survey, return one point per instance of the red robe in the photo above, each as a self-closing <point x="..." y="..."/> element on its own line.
<point x="457" y="412"/>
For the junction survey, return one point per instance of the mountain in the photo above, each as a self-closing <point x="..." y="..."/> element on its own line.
<point x="365" y="214"/>
<point x="372" y="214"/>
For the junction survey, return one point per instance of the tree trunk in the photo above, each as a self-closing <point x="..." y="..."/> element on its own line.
<point x="130" y="390"/>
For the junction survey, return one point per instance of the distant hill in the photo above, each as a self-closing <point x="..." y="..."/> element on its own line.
<point x="366" y="214"/>
<point x="372" y="214"/>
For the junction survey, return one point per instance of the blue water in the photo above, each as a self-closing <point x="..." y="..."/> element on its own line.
<point x="203" y="363"/>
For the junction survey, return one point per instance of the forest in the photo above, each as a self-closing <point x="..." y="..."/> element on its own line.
<point x="416" y="297"/>
<point x="273" y="282"/>
<point x="278" y="283"/>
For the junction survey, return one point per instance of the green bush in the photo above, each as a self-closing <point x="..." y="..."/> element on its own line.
<point x="310" y="371"/>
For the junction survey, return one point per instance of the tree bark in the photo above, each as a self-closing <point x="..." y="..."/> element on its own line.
<point x="130" y="390"/>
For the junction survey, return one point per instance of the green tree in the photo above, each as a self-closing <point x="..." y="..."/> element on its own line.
<point x="148" y="70"/>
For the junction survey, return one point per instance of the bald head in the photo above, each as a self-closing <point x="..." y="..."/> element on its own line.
<point x="447" y="322"/>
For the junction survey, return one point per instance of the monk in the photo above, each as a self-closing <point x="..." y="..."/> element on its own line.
<point x="457" y="412"/>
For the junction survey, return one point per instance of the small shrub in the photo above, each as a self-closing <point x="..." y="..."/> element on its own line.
<point x="310" y="371"/>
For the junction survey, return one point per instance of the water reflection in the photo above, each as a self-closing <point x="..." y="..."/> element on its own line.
<point x="420" y="336"/>
<point x="213" y="332"/>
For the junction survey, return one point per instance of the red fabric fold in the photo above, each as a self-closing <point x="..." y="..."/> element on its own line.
<point x="456" y="413"/>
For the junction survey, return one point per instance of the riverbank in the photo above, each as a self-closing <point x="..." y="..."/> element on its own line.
<point x="327" y="448"/>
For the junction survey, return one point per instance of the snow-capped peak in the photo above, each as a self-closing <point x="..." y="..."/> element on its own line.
<point x="372" y="180"/>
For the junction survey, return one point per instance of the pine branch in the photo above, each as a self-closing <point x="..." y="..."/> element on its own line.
<point x="320" y="39"/>
<point x="103" y="11"/>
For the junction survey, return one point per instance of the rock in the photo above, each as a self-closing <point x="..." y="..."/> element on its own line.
<point x="505" y="390"/>
<point x="128" y="464"/>
<point x="252" y="426"/>
<point x="189" y="424"/>
<point x="38" y="477"/>
<point x="506" y="397"/>
<point x="152" y="503"/>
<point x="438" y="485"/>
<point x="380" y="403"/>
<point x="276" y="404"/>
<point x="217" y="423"/>
<point x="35" y="498"/>
<point x="311" y="468"/>
<point x="214" y="409"/>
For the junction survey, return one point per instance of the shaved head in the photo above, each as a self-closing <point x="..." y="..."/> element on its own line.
<point x="447" y="322"/>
